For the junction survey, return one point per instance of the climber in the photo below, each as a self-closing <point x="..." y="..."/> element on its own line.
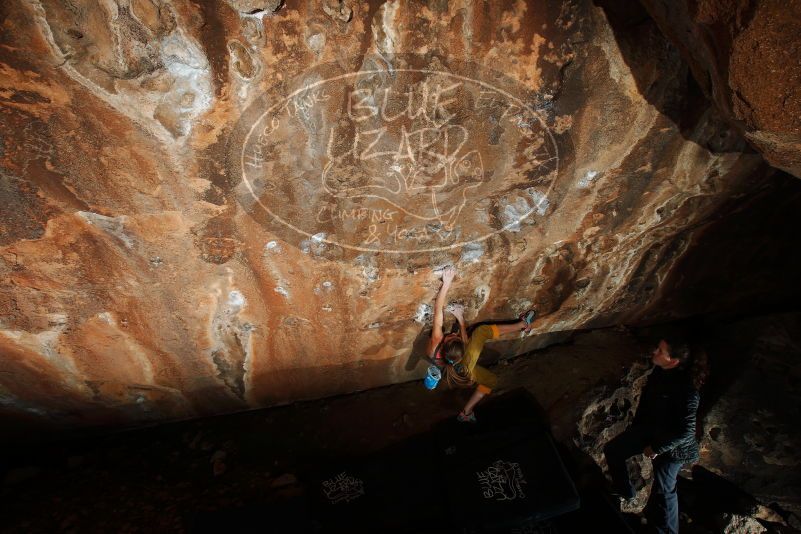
<point x="457" y="353"/>
<point x="663" y="429"/>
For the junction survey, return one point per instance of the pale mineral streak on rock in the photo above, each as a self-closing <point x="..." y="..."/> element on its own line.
<point x="190" y="94"/>
<point x="254" y="7"/>
<point x="230" y="336"/>
<point x="46" y="344"/>
<point x="385" y="37"/>
<point x="31" y="381"/>
<point x="162" y="85"/>
<point x="114" y="226"/>
<point x="118" y="368"/>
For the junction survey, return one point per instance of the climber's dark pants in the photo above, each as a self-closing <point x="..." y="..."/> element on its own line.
<point x="617" y="451"/>
<point x="664" y="501"/>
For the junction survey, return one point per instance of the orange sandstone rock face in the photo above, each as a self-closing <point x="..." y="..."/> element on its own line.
<point x="212" y="206"/>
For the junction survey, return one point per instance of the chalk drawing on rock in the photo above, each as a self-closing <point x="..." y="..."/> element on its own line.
<point x="395" y="161"/>
<point x="418" y="178"/>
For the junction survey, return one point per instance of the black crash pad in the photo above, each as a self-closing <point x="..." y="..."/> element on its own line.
<point x="395" y="490"/>
<point x="508" y="484"/>
<point x="497" y="474"/>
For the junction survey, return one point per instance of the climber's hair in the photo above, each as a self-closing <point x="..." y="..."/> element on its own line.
<point x="453" y="350"/>
<point x="700" y="368"/>
<point x="456" y="374"/>
<point x="679" y="349"/>
<point x="691" y="358"/>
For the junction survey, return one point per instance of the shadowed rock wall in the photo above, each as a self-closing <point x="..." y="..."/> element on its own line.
<point x="744" y="53"/>
<point x="142" y="281"/>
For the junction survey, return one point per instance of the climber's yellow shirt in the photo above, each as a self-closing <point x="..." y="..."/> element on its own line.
<point x="486" y="380"/>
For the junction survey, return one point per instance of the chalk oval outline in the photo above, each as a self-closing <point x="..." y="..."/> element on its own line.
<point x="358" y="248"/>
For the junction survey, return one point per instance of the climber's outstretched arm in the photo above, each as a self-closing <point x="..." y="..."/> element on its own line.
<point x="439" y="305"/>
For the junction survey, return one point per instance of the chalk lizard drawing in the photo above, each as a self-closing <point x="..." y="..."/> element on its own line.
<point x="427" y="176"/>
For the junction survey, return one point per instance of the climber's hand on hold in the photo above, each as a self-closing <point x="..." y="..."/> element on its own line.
<point x="448" y="275"/>
<point x="649" y="452"/>
<point x="439" y="304"/>
<point x="458" y="311"/>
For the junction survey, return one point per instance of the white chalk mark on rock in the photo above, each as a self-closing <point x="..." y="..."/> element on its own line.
<point x="587" y="180"/>
<point x="272" y="246"/>
<point x="236" y="301"/>
<point x="472" y="252"/>
<point x="281" y="291"/>
<point x="424" y="314"/>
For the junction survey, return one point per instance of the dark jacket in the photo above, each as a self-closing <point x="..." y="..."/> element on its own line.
<point x="667" y="412"/>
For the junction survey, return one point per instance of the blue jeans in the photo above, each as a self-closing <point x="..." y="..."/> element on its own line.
<point x="664" y="500"/>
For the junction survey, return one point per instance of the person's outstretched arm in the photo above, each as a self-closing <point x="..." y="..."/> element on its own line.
<point x="439" y="307"/>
